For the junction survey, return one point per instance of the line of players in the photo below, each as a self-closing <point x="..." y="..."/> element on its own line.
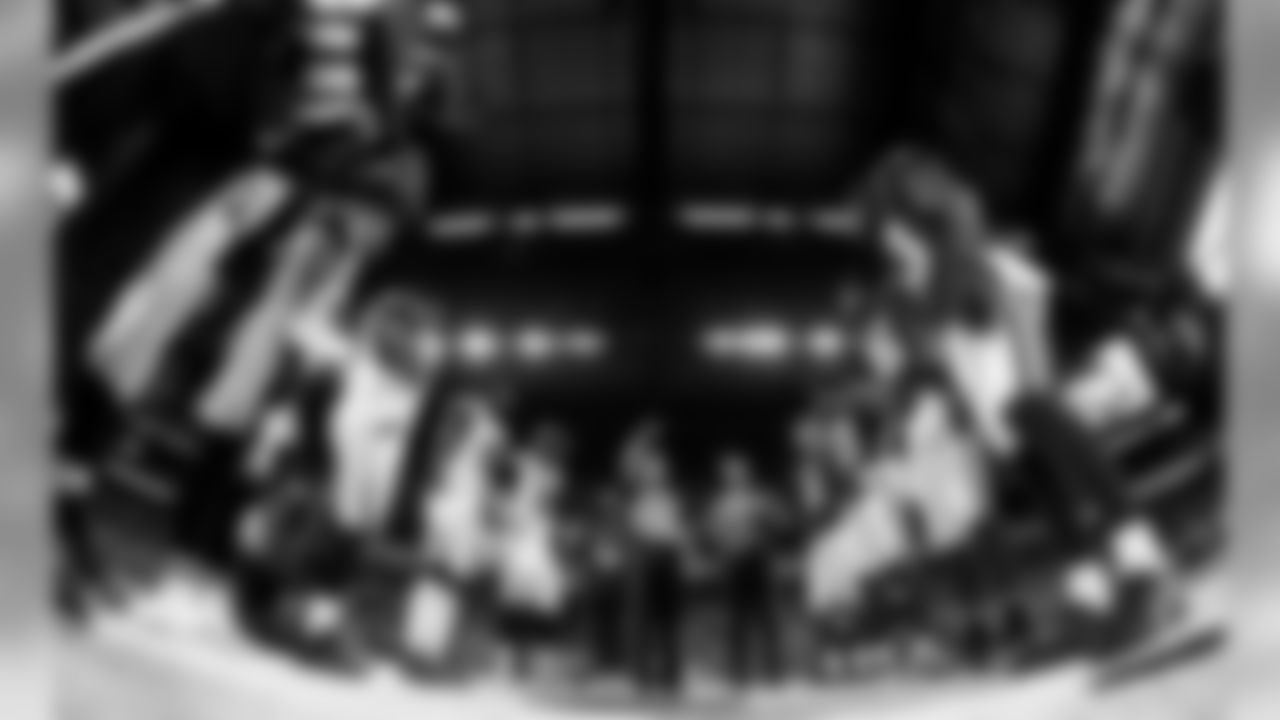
<point x="954" y="396"/>
<point x="389" y="513"/>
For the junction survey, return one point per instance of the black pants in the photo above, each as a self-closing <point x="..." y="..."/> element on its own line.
<point x="752" y="635"/>
<point x="74" y="528"/>
<point x="1180" y="368"/>
<point x="80" y="570"/>
<point x="601" y="612"/>
<point x="211" y="498"/>
<point x="90" y="421"/>
<point x="1065" y="471"/>
<point x="528" y="632"/>
<point x="655" y="643"/>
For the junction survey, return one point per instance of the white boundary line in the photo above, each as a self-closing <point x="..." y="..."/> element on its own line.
<point x="221" y="665"/>
<point x="234" y="667"/>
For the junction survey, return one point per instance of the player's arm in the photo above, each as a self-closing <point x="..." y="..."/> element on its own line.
<point x="317" y="331"/>
<point x="1025" y="293"/>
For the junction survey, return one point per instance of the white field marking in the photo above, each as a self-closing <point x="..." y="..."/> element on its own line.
<point x="229" y="665"/>
<point x="232" y="671"/>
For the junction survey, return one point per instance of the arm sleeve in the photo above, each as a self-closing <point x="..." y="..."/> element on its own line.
<point x="1026" y="292"/>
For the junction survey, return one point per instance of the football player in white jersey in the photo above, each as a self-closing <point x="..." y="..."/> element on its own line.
<point x="460" y="508"/>
<point x="460" y="541"/>
<point x="533" y="579"/>
<point x="858" y="531"/>
<point x="744" y="522"/>
<point x="989" y="302"/>
<point x="385" y="369"/>
<point x="385" y="364"/>
<point x="940" y="475"/>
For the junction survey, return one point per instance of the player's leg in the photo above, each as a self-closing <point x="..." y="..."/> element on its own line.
<point x="669" y="604"/>
<point x="1114" y="546"/>
<point x="610" y="622"/>
<point x="738" y="606"/>
<point x="763" y="611"/>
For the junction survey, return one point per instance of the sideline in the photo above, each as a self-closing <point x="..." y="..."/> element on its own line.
<point x="229" y="672"/>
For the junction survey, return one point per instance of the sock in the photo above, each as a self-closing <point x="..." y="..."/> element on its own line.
<point x="1137" y="551"/>
<point x="1090" y="588"/>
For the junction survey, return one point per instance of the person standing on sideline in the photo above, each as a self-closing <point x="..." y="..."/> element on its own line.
<point x="743" y="522"/>
<point x="605" y="555"/>
<point x="659" y="533"/>
<point x="457" y="533"/>
<point x="384" y="370"/>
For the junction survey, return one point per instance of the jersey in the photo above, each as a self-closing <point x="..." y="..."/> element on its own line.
<point x="1027" y="294"/>
<point x="988" y="364"/>
<point x="656" y="519"/>
<point x="940" y="476"/>
<point x="458" y="508"/>
<point x="867" y="535"/>
<point x="604" y="548"/>
<point x="983" y="367"/>
<point x="740" y="522"/>
<point x="532" y="572"/>
<point x="372" y="422"/>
